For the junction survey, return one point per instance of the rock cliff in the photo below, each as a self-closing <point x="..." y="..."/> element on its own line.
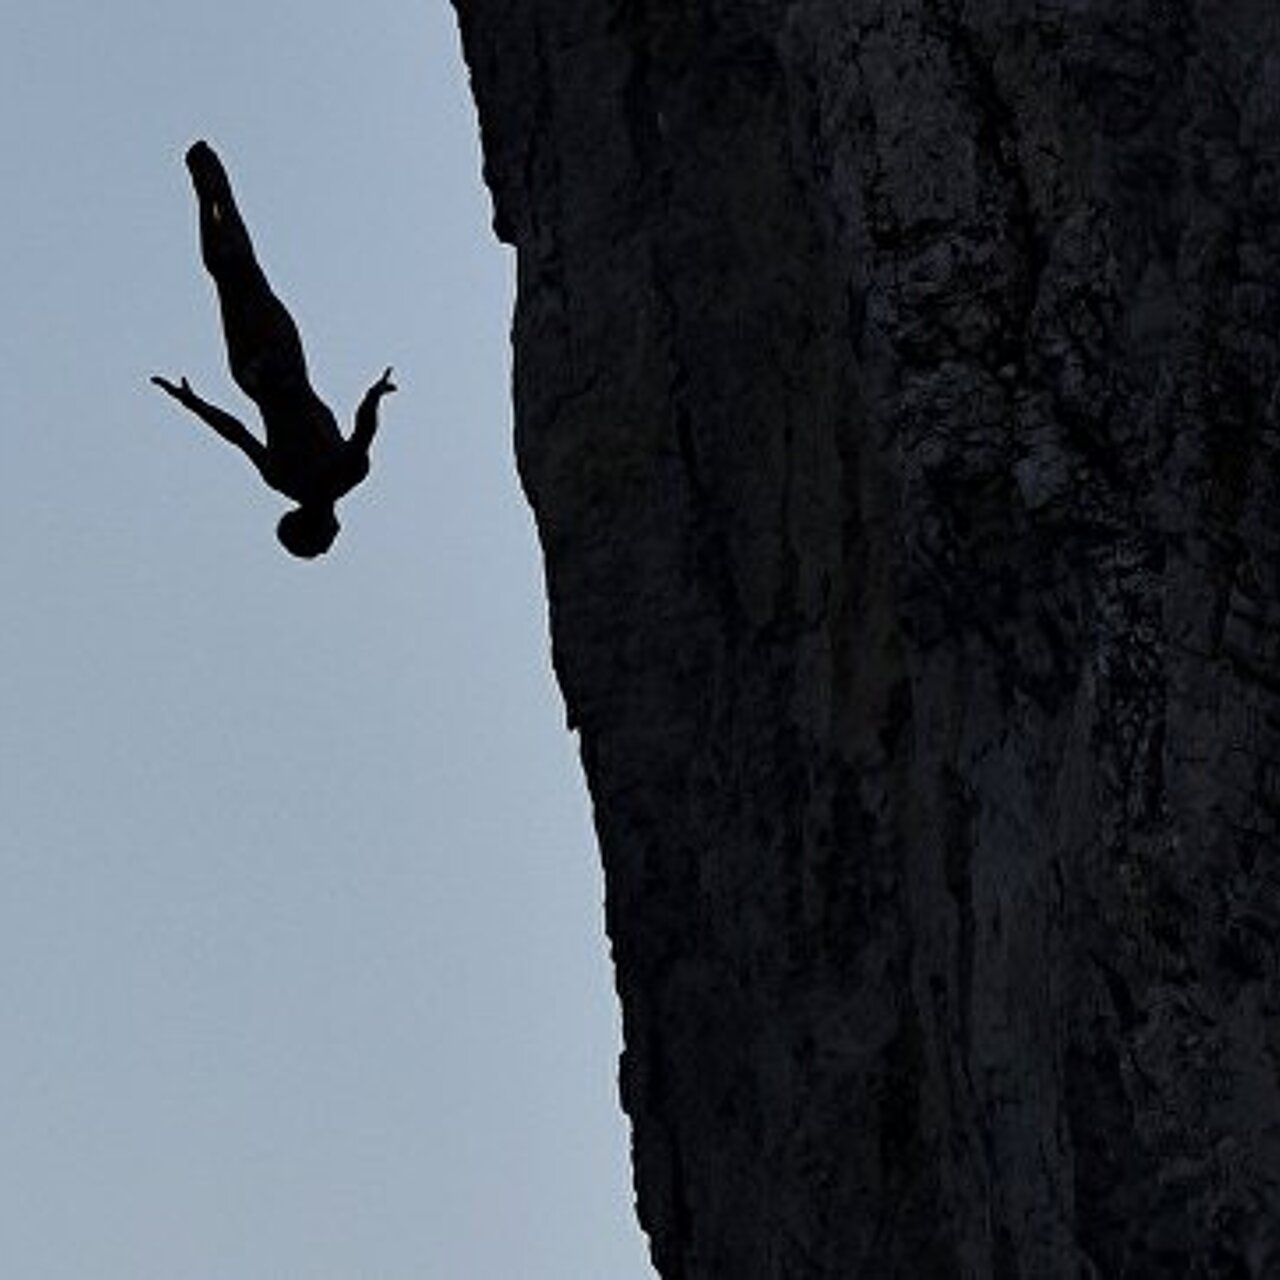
<point x="896" y="392"/>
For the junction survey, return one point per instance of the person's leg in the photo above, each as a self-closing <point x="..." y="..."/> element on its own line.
<point x="224" y="239"/>
<point x="263" y="346"/>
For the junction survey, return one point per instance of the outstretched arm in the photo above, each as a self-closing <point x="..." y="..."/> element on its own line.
<point x="367" y="414"/>
<point x="230" y="429"/>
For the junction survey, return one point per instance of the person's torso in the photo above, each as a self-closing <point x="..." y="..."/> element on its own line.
<point x="307" y="458"/>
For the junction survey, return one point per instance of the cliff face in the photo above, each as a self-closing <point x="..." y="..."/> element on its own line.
<point x="896" y="391"/>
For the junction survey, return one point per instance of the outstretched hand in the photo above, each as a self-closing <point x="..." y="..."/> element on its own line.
<point x="383" y="386"/>
<point x="181" y="391"/>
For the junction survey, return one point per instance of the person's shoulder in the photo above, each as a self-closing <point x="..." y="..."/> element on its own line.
<point x="355" y="461"/>
<point x="345" y="470"/>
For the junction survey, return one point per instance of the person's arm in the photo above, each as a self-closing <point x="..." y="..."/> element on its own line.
<point x="367" y="414"/>
<point x="230" y="429"/>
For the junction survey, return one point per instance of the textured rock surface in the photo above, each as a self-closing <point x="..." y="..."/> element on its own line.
<point x="896" y="393"/>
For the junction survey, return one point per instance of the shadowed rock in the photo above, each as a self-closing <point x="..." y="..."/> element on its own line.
<point x="898" y="394"/>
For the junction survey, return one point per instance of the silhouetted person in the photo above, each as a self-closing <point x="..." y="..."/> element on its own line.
<point x="305" y="456"/>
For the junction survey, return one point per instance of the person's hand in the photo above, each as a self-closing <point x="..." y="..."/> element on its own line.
<point x="181" y="391"/>
<point x="383" y="386"/>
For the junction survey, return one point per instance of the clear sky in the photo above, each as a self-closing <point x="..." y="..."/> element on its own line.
<point x="302" y="971"/>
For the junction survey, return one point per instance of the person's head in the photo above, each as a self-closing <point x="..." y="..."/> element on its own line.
<point x="308" y="531"/>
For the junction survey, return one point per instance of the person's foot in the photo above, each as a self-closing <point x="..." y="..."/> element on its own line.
<point x="207" y="173"/>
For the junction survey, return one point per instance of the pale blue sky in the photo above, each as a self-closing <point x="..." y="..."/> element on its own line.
<point x="302" y="972"/>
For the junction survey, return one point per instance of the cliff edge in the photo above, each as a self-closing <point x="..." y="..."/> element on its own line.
<point x="896" y="392"/>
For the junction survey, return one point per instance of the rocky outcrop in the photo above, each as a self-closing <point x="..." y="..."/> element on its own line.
<point x="896" y="395"/>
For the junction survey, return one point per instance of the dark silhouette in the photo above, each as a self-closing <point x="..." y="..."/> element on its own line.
<point x="305" y="456"/>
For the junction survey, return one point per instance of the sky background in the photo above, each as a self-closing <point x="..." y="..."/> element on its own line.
<point x="302" y="971"/>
